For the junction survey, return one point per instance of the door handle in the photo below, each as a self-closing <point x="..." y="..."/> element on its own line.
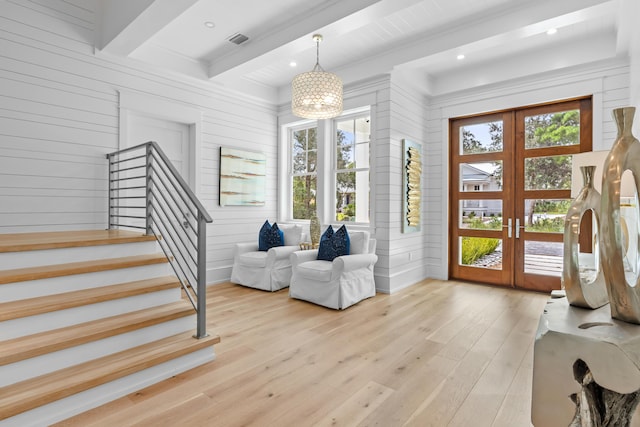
<point x="508" y="227"/>
<point x="518" y="226"/>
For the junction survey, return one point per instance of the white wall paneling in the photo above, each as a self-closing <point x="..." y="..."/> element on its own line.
<point x="59" y="117"/>
<point x="402" y="254"/>
<point x="133" y="105"/>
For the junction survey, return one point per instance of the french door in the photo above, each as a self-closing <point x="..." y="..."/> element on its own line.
<point x="510" y="180"/>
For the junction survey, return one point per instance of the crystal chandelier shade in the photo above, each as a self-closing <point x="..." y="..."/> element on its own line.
<point x="316" y="94"/>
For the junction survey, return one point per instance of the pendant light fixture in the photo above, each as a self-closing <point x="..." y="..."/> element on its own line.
<point x="316" y="94"/>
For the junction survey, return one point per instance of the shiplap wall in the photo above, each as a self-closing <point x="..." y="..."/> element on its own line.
<point x="608" y="82"/>
<point x="400" y="255"/>
<point x="59" y="117"/>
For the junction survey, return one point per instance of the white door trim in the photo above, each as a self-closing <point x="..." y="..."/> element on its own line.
<point x="161" y="108"/>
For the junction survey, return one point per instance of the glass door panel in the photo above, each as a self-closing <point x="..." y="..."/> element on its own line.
<point x="480" y="252"/>
<point x="550" y="135"/>
<point x="486" y="176"/>
<point x="481" y="137"/>
<point x="480" y="235"/>
<point x="552" y="129"/>
<point x="480" y="214"/>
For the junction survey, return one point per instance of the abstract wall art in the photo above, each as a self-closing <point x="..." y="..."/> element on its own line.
<point x="242" y="177"/>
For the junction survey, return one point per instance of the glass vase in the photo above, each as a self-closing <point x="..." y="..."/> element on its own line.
<point x="314" y="229"/>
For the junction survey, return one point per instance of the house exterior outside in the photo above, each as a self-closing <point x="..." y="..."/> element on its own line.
<point x="477" y="179"/>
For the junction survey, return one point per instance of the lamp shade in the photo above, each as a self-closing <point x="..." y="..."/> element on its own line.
<point x="316" y="94"/>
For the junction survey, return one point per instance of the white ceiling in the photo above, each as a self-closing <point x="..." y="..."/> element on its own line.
<point x="500" y="39"/>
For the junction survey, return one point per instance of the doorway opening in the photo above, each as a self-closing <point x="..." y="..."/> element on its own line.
<point x="510" y="175"/>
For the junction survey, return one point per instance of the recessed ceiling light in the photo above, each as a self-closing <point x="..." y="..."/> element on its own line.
<point x="460" y="57"/>
<point x="552" y="31"/>
<point x="293" y="64"/>
<point x="209" y="24"/>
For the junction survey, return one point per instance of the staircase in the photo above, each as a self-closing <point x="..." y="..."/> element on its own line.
<point x="87" y="317"/>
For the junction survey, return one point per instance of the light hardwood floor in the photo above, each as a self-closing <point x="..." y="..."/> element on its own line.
<point x="435" y="354"/>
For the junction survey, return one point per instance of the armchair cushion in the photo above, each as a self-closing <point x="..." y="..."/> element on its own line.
<point x="292" y="234"/>
<point x="354" y="262"/>
<point x="270" y="236"/>
<point x="358" y="242"/>
<point x="299" y="257"/>
<point x="332" y="244"/>
<point x="253" y="259"/>
<point x="242" y="248"/>
<point x="316" y="270"/>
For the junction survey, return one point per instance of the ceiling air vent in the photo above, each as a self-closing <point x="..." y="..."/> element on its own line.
<point x="238" y="38"/>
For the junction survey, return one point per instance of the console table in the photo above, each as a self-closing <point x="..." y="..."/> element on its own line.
<point x="566" y="334"/>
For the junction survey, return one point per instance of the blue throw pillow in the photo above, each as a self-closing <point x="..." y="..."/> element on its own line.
<point x="324" y="248"/>
<point x="333" y="244"/>
<point x="270" y="236"/>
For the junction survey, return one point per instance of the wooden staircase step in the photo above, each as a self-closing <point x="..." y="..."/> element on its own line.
<point x="57" y="270"/>
<point x="22" y="348"/>
<point x="19" y="242"/>
<point x="39" y="391"/>
<point x="48" y="303"/>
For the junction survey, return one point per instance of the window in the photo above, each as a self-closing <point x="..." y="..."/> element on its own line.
<point x="302" y="170"/>
<point x="476" y="188"/>
<point x="327" y="169"/>
<point x="351" y="168"/>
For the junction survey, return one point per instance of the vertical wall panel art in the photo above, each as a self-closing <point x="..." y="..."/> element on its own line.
<point x="411" y="187"/>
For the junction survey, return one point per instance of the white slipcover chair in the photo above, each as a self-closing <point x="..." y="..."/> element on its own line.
<point x="336" y="284"/>
<point x="267" y="270"/>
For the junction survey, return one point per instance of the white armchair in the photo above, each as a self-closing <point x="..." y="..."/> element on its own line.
<point x="336" y="284"/>
<point x="267" y="270"/>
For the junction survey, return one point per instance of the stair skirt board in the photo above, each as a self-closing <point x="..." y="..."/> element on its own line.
<point x="11" y="260"/>
<point x="81" y="402"/>
<point x="56" y="285"/>
<point x="40" y="365"/>
<point x="59" y="319"/>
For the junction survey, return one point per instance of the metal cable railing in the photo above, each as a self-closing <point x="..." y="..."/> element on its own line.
<point x="146" y="192"/>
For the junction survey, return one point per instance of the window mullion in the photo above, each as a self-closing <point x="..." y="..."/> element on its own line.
<point x="322" y="165"/>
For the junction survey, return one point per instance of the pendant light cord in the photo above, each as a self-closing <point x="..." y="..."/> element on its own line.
<point x="318" y="39"/>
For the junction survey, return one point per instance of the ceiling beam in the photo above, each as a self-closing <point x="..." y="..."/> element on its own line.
<point x="127" y="25"/>
<point x="532" y="62"/>
<point x="493" y="27"/>
<point x="340" y="15"/>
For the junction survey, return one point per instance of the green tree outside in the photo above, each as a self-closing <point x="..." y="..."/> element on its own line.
<point x="305" y="156"/>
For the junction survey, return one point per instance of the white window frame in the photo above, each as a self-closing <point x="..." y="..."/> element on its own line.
<point x="352" y="115"/>
<point x="290" y="130"/>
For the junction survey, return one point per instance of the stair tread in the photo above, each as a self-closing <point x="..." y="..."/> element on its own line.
<point x="35" y="392"/>
<point x="19" y="242"/>
<point x="26" y="347"/>
<point x="67" y="269"/>
<point x="48" y="303"/>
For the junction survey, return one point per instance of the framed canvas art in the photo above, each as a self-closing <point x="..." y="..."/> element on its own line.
<point x="242" y="177"/>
